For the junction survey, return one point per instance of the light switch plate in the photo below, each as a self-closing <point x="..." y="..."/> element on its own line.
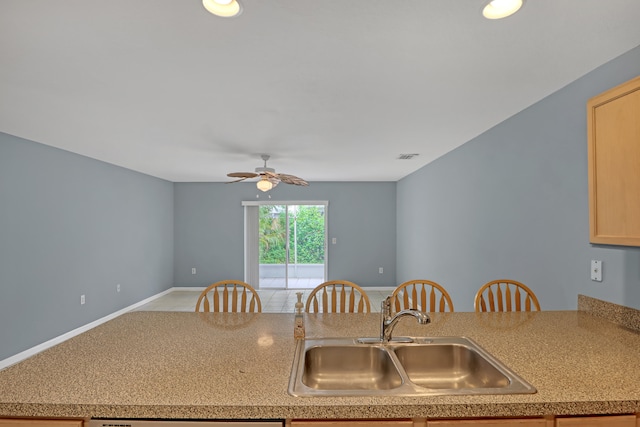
<point x="596" y="270"/>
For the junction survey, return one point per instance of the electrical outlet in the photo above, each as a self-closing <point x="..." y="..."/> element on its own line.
<point x="380" y="270"/>
<point x="333" y="240"/>
<point x="118" y="287"/>
<point x="596" y="270"/>
<point x="193" y="270"/>
<point x="82" y="300"/>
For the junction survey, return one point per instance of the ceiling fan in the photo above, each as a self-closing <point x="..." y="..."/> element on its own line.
<point x="268" y="177"/>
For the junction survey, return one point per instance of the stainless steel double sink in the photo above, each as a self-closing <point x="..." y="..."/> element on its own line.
<point x="410" y="366"/>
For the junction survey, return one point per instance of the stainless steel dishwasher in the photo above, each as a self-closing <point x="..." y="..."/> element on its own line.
<point x="97" y="422"/>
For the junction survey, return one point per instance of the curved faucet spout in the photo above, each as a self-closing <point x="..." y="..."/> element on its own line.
<point x="388" y="322"/>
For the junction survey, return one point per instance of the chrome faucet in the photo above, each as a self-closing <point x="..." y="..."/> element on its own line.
<point x="388" y="322"/>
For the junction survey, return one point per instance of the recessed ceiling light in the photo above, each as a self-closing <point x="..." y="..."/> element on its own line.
<point x="497" y="9"/>
<point x="224" y="8"/>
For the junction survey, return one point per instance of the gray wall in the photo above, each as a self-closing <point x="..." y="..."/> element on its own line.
<point x="70" y="225"/>
<point x="209" y="229"/>
<point x="513" y="202"/>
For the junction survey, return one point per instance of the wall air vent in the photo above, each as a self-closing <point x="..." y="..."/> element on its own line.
<point x="407" y="156"/>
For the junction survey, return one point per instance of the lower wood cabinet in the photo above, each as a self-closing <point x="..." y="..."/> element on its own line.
<point x="519" y="422"/>
<point x="505" y="422"/>
<point x="550" y="421"/>
<point x="356" y="423"/>
<point x="596" y="421"/>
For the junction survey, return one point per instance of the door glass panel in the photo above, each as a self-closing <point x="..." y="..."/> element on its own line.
<point x="306" y="246"/>
<point x="272" y="242"/>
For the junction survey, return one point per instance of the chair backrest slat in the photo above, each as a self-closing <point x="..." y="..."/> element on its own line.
<point x="216" y="299"/>
<point x="443" y="304"/>
<point x="517" y="299"/>
<point x="491" y="299"/>
<point x="507" y="297"/>
<point x="244" y="300"/>
<point x="406" y="301"/>
<point x="352" y="301"/>
<point x="325" y="300"/>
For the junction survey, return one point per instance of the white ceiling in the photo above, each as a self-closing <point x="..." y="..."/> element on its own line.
<point x="334" y="90"/>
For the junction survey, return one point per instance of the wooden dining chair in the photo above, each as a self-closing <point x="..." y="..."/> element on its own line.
<point x="423" y="295"/>
<point x="229" y="296"/>
<point x="338" y="296"/>
<point x="505" y="295"/>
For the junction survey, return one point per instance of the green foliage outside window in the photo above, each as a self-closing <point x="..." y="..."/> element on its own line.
<point x="305" y="222"/>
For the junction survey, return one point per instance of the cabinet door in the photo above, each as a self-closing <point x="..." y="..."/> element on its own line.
<point x="515" y="422"/>
<point x="356" y="423"/>
<point x="27" y="422"/>
<point x="614" y="175"/>
<point x="595" y="421"/>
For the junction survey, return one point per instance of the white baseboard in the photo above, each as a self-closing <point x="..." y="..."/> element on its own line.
<point x="57" y="340"/>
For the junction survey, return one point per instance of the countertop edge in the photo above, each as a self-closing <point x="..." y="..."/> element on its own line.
<point x="332" y="411"/>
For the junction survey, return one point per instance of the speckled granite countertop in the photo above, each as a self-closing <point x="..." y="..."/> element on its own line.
<point x="219" y="366"/>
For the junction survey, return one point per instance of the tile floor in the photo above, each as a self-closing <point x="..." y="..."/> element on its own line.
<point x="299" y="283"/>
<point x="273" y="301"/>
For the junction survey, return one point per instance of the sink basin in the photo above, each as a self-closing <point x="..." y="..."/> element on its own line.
<point x="367" y="367"/>
<point x="452" y="366"/>
<point x="417" y="366"/>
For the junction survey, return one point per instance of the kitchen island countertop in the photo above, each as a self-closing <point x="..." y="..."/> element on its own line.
<point x="237" y="366"/>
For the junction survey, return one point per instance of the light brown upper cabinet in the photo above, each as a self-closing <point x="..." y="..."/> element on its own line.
<point x="613" y="120"/>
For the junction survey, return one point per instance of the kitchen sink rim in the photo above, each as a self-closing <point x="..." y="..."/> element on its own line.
<point x="296" y="388"/>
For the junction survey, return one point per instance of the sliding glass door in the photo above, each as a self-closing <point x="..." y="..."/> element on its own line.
<point x="291" y="245"/>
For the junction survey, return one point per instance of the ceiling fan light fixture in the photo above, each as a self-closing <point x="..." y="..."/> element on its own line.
<point x="498" y="9"/>
<point x="264" y="185"/>
<point x="223" y="8"/>
<point x="268" y="177"/>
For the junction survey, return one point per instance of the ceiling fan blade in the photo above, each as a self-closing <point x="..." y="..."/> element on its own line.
<point x="244" y="175"/>
<point x="271" y="177"/>
<point x="237" y="180"/>
<point x="291" y="179"/>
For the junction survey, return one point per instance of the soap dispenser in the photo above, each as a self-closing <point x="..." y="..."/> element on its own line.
<point x="298" y="324"/>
